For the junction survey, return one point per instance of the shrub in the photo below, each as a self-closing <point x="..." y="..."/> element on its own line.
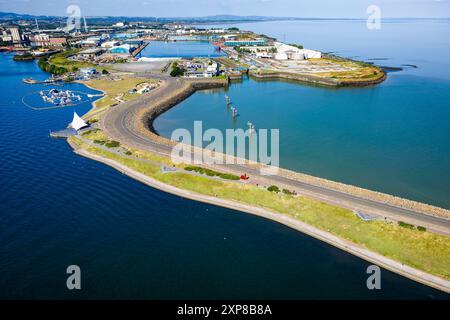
<point x="420" y="228"/>
<point x="89" y="132"/>
<point x="104" y="71"/>
<point x="102" y="142"/>
<point x="112" y="144"/>
<point x="288" y="192"/>
<point x="229" y="176"/>
<point x="176" y="70"/>
<point x="405" y="225"/>
<point x="51" y="68"/>
<point x="212" y="173"/>
<point x="128" y="153"/>
<point x="274" y="189"/>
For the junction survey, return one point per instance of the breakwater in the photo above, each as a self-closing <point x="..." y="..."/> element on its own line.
<point x="311" y="79"/>
<point x="146" y="115"/>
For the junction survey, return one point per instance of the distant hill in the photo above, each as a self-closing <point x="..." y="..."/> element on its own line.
<point x="17" y="16"/>
<point x="9" y="16"/>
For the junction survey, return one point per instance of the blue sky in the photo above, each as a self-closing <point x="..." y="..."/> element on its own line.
<point x="294" y="8"/>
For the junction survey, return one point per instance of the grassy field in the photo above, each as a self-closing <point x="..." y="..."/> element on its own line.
<point x="115" y="88"/>
<point x="420" y="249"/>
<point x="95" y="134"/>
<point x="360" y="72"/>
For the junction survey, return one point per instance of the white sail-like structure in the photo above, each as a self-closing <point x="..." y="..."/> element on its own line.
<point x="77" y="122"/>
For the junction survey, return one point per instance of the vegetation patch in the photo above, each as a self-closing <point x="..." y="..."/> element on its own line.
<point x="95" y="134"/>
<point x="102" y="142"/>
<point x="273" y="189"/>
<point x="360" y="71"/>
<point x="112" y="144"/>
<point x="51" y="68"/>
<point x="177" y="71"/>
<point x="288" y="192"/>
<point x="406" y="225"/>
<point x="212" y="173"/>
<point x="114" y="88"/>
<point x="62" y="60"/>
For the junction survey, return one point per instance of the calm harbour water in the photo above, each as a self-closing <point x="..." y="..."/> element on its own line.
<point x="180" y="49"/>
<point x="132" y="241"/>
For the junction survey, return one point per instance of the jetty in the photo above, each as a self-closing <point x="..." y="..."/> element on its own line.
<point x="63" y="134"/>
<point x="33" y="81"/>
<point x="139" y="50"/>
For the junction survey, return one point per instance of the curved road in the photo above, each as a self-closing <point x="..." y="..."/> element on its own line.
<point x="120" y="124"/>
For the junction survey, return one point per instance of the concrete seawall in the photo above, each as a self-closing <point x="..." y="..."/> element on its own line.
<point x="139" y="50"/>
<point x="311" y="79"/>
<point x="189" y="89"/>
<point x="295" y="77"/>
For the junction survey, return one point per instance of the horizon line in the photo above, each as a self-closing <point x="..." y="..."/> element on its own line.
<point x="221" y="15"/>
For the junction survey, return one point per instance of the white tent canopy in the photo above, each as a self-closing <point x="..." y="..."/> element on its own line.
<point x="77" y="122"/>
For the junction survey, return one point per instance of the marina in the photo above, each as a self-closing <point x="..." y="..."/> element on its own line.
<point x="57" y="98"/>
<point x="60" y="97"/>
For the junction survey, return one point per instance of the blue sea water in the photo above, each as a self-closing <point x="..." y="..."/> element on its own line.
<point x="131" y="241"/>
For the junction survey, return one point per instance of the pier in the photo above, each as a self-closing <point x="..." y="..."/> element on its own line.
<point x="32" y="81"/>
<point x="63" y="134"/>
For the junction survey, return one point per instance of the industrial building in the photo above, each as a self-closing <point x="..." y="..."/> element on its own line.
<point x="288" y="52"/>
<point x="242" y="43"/>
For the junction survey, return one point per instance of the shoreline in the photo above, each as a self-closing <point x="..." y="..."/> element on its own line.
<point x="145" y="117"/>
<point x="349" y="247"/>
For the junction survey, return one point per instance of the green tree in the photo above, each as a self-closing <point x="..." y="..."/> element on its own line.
<point x="177" y="71"/>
